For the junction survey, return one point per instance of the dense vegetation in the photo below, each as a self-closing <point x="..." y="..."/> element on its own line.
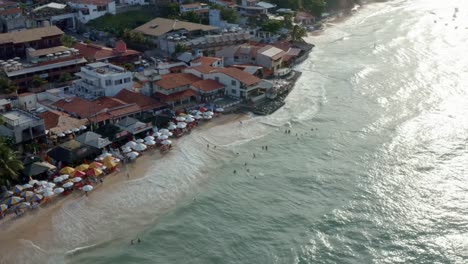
<point x="116" y="24"/>
<point x="10" y="166"/>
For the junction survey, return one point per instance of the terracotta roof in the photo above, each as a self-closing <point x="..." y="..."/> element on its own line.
<point x="108" y="102"/>
<point x="78" y="106"/>
<point x="175" y="96"/>
<point x="241" y="76"/>
<point x="193" y="5"/>
<point x="284" y="45"/>
<point x="174" y="80"/>
<point x="144" y="102"/>
<point x="207" y="85"/>
<point x="10" y="11"/>
<point x="57" y="122"/>
<point x="97" y="52"/>
<point x="92" y="2"/>
<point x="50" y="118"/>
<point x="160" y="26"/>
<point x="124" y="110"/>
<point x="24" y="94"/>
<point x="207" y="61"/>
<point x="29" y="35"/>
<point x="204" y="69"/>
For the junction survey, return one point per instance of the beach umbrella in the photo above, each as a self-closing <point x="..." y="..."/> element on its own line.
<point x="32" y="182"/>
<point x="180" y="118"/>
<point x="43" y="183"/>
<point x="87" y="188"/>
<point x="77" y="179"/>
<point x="219" y="109"/>
<point x="27" y="195"/>
<point x="172" y="127"/>
<point x="36" y="198"/>
<point x="59" y="190"/>
<point x="95" y="165"/>
<point x="67" y="132"/>
<point x="208" y="113"/>
<point x="148" y="138"/>
<point x="130" y="144"/>
<point x="203" y="109"/>
<point x="110" y="164"/>
<point x="67" y="185"/>
<point x="208" y="117"/>
<point x="189" y="115"/>
<point x="65" y="176"/>
<point x="163" y="137"/>
<point x="150" y="142"/>
<point x="76" y="130"/>
<point x="3" y="207"/>
<point x="27" y="186"/>
<point x="104" y="155"/>
<point x="140" y="147"/>
<point x="23" y="205"/>
<point x="6" y="194"/>
<point x="181" y="125"/>
<point x="156" y="134"/>
<point x="50" y="185"/>
<point x="189" y="119"/>
<point x="60" y="134"/>
<point x="164" y="131"/>
<point x="93" y="172"/>
<point x="83" y="127"/>
<point x="18" y="189"/>
<point x="67" y="170"/>
<point x="48" y="193"/>
<point x="155" y="129"/>
<point x="78" y="174"/>
<point x="112" y="159"/>
<point x="13" y="200"/>
<point x="166" y="142"/>
<point x="58" y="179"/>
<point x="126" y="150"/>
<point x="198" y="117"/>
<point x="82" y="167"/>
<point x="140" y="140"/>
<point x="132" y="155"/>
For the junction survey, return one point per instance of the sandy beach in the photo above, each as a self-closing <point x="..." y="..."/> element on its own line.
<point x="36" y="226"/>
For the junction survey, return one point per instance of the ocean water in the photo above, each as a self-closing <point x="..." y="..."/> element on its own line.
<point x="375" y="169"/>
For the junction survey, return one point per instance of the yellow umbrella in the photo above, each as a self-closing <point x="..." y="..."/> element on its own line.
<point x="67" y="170"/>
<point x="110" y="164"/>
<point x="95" y="165"/>
<point x="82" y="167"/>
<point x="108" y="158"/>
<point x="93" y="172"/>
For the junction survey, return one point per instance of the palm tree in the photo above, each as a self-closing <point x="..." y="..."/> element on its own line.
<point x="297" y="33"/>
<point x="9" y="164"/>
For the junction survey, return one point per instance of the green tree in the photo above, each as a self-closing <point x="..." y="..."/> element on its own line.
<point x="288" y="21"/>
<point x="228" y="14"/>
<point x="297" y="33"/>
<point x="67" y="41"/>
<point x="65" y="77"/>
<point x="10" y="166"/>
<point x="180" y="48"/>
<point x="170" y="11"/>
<point x="129" y="67"/>
<point x="191" y="17"/>
<point x="37" y="81"/>
<point x="7" y="86"/>
<point x="316" y="7"/>
<point x="272" y="26"/>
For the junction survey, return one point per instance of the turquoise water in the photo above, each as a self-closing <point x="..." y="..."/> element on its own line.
<point x="376" y="173"/>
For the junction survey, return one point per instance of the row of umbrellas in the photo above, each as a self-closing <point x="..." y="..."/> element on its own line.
<point x="74" y="130"/>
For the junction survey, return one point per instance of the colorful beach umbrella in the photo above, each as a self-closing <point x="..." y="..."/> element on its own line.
<point x="18" y="189"/>
<point x="82" y="167"/>
<point x="110" y="159"/>
<point x="37" y="198"/>
<point x="23" y="205"/>
<point x="78" y="174"/>
<point x="13" y="200"/>
<point x="95" y="165"/>
<point x="93" y="172"/>
<point x="3" y="207"/>
<point x="27" y="195"/>
<point x="67" y="170"/>
<point x="110" y="164"/>
<point x="7" y="194"/>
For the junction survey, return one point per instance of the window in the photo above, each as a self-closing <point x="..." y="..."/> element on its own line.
<point x="233" y="91"/>
<point x="108" y="82"/>
<point x="233" y="82"/>
<point x="117" y="82"/>
<point x="126" y="80"/>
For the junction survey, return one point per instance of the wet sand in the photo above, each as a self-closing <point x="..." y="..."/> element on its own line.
<point x="36" y="225"/>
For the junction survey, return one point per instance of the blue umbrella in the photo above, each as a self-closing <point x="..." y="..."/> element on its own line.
<point x="3" y="207"/>
<point x="13" y="200"/>
<point x="23" y="206"/>
<point x="36" y="198"/>
<point x="6" y="195"/>
<point x="18" y="189"/>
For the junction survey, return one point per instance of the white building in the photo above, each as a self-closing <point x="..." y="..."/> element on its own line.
<point x="135" y="2"/>
<point x="21" y="126"/>
<point x="102" y="79"/>
<point x="91" y="9"/>
<point x="195" y="7"/>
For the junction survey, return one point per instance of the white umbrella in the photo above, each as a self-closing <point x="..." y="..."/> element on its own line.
<point x="76" y="130"/>
<point x="209" y="113"/>
<point x="180" y="118"/>
<point x="181" y="125"/>
<point x="172" y="127"/>
<point x="219" y="109"/>
<point x="87" y="188"/>
<point x="83" y="127"/>
<point x="68" y="184"/>
<point x="166" y="142"/>
<point x="198" y="117"/>
<point x="131" y="144"/>
<point x="43" y="183"/>
<point x="27" y="186"/>
<point x="65" y="176"/>
<point x="58" y="190"/>
<point x="163" y="131"/>
<point x="61" y="134"/>
<point x="155" y="129"/>
<point x="140" y="147"/>
<point x="126" y="150"/>
<point x="133" y="155"/>
<point x="163" y="137"/>
<point x="156" y="134"/>
<point x="189" y="115"/>
<point x="32" y="182"/>
<point x="140" y="140"/>
<point x="58" y="179"/>
<point x="208" y="117"/>
<point x="189" y="119"/>
<point x="48" y="193"/>
<point x="68" y="131"/>
<point x="104" y="155"/>
<point x="50" y="185"/>
<point x="77" y="179"/>
<point x="150" y="142"/>
<point x="148" y="138"/>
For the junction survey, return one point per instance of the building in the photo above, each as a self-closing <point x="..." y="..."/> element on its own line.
<point x="102" y="79"/>
<point x="225" y="3"/>
<point x="165" y="34"/>
<point x="133" y="126"/>
<point x="145" y="103"/>
<point x="22" y="126"/>
<point x="11" y="16"/>
<point x="254" y="7"/>
<point x="14" y="44"/>
<point x="270" y="57"/>
<point x="58" y="122"/>
<point x="27" y="101"/>
<point x="91" y="9"/>
<point x="5" y="105"/>
<point x="60" y="15"/>
<point x="93" y="139"/>
<point x="135" y="2"/>
<point x="49" y="64"/>
<point x="200" y="9"/>
<point x="175" y="88"/>
<point x="118" y="55"/>
<point x="304" y="18"/>
<point x="207" y="61"/>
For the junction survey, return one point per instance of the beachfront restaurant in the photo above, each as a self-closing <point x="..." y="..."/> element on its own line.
<point x="73" y="153"/>
<point x="35" y="168"/>
<point x="134" y="126"/>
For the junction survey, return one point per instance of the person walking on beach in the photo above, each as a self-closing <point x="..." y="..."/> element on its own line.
<point x="131" y="242"/>
<point x="207" y="146"/>
<point x="266" y="148"/>
<point x="138" y="241"/>
<point x="254" y="155"/>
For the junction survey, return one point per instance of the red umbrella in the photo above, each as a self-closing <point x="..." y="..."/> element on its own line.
<point x="79" y="174"/>
<point x="203" y="109"/>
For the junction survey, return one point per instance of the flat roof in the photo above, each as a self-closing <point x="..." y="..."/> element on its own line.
<point x="29" y="35"/>
<point x="42" y="52"/>
<point x="160" y="26"/>
<point x="45" y="67"/>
